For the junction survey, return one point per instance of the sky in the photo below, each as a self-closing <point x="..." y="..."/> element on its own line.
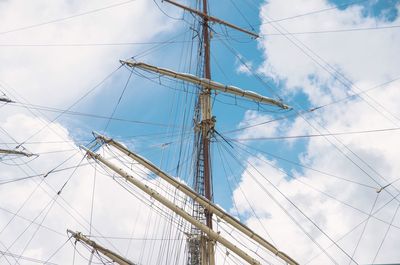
<point x="305" y="179"/>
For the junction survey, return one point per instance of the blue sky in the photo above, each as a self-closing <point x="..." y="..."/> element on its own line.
<point x="56" y="76"/>
<point x="227" y="117"/>
<point x="145" y="101"/>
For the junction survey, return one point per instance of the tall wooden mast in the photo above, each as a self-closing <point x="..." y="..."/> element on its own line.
<point x="203" y="172"/>
<point x="200" y="243"/>
<point x="206" y="122"/>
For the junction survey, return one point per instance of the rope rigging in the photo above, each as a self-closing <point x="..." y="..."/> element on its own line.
<point x="156" y="234"/>
<point x="357" y="93"/>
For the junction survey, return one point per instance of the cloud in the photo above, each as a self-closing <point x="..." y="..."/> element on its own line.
<point x="34" y="219"/>
<point x="244" y="67"/>
<point x="56" y="75"/>
<point x="49" y="74"/>
<point x="252" y="128"/>
<point x="306" y="65"/>
<point x="364" y="56"/>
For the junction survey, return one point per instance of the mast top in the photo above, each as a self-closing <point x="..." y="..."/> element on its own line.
<point x="213" y="19"/>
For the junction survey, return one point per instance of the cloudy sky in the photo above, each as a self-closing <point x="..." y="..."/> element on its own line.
<point x="319" y="181"/>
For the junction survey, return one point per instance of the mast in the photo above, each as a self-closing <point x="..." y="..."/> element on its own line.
<point x="200" y="244"/>
<point x="203" y="159"/>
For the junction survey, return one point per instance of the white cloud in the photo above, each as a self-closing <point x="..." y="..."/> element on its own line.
<point x="46" y="75"/>
<point x="58" y="75"/>
<point x="252" y="128"/>
<point x="364" y="56"/>
<point x="116" y="212"/>
<point x="243" y="66"/>
<point x="367" y="58"/>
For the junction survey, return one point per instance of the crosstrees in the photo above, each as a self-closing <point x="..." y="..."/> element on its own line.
<point x="207" y="83"/>
<point x="204" y="15"/>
